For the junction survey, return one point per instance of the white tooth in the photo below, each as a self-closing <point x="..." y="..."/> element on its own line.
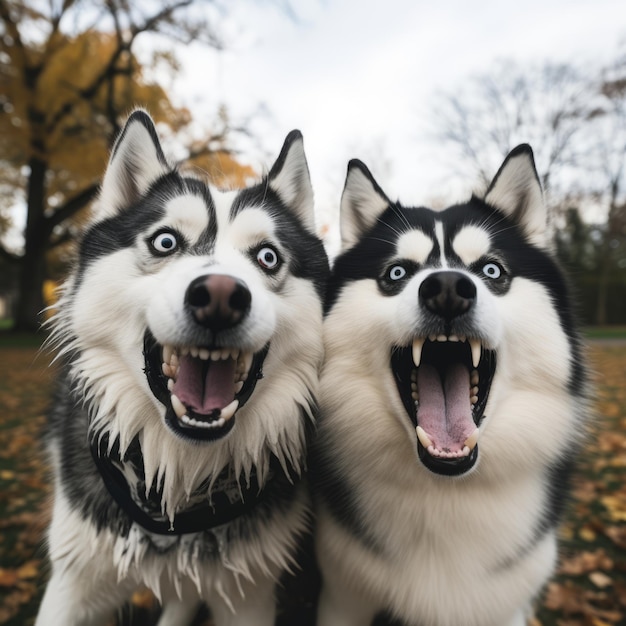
<point x="238" y="386"/>
<point x="442" y="338"/>
<point x="247" y="363"/>
<point x="413" y="395"/>
<point x="178" y="406"/>
<point x="431" y="450"/>
<point x="432" y="337"/>
<point x="229" y="411"/>
<point x="186" y="419"/>
<point x="474" y="378"/>
<point x="465" y="451"/>
<point x="472" y="440"/>
<point x="453" y="338"/>
<point x="476" y="349"/>
<point x="170" y="384"/>
<point x="423" y="437"/>
<point x="165" y="368"/>
<point x="215" y="355"/>
<point x="203" y="353"/>
<point x="234" y="353"/>
<point x="418" y="344"/>
<point x="167" y="353"/>
<point x="474" y="391"/>
<point x="225" y="355"/>
<point x="474" y="399"/>
<point x="184" y="351"/>
<point x="174" y="360"/>
<point x="218" y="423"/>
<point x="194" y="351"/>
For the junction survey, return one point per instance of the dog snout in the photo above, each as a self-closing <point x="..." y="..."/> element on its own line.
<point x="447" y="294"/>
<point x="218" y="301"/>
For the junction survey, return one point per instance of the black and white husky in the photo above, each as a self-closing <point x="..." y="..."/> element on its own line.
<point x="190" y="344"/>
<point x="453" y="400"/>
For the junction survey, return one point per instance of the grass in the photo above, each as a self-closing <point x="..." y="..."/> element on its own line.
<point x="589" y="588"/>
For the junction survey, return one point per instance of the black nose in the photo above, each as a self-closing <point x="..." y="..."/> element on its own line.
<point x="447" y="294"/>
<point x="218" y="301"/>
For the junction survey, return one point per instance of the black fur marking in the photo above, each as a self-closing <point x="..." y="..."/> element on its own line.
<point x="307" y="256"/>
<point x="122" y="230"/>
<point x="329" y="486"/>
<point x="385" y="619"/>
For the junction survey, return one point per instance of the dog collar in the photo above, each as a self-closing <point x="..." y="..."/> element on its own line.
<point x="222" y="508"/>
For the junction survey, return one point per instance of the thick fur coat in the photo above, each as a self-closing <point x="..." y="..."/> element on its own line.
<point x="189" y="345"/>
<point x="453" y="403"/>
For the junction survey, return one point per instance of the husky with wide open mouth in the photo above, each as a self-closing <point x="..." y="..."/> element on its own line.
<point x="189" y="344"/>
<point x="453" y="402"/>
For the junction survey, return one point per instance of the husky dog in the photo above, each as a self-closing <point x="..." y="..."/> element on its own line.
<point x="453" y="399"/>
<point x="189" y="337"/>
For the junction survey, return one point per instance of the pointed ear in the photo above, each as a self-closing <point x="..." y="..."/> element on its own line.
<point x="289" y="178"/>
<point x="362" y="202"/>
<point x="516" y="191"/>
<point x="136" y="161"/>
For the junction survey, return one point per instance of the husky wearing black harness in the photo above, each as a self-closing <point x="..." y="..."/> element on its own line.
<point x="189" y="343"/>
<point x="453" y="402"/>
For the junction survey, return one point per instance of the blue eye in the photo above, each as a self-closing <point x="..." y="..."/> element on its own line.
<point x="397" y="272"/>
<point x="164" y="242"/>
<point x="492" y="270"/>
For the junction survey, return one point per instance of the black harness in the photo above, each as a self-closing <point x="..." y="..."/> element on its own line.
<point x="220" y="510"/>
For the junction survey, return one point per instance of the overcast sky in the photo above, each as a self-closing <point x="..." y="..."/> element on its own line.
<point x="358" y="78"/>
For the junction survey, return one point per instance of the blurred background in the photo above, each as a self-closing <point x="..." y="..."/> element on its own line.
<point x="431" y="96"/>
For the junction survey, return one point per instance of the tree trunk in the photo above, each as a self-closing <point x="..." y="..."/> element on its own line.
<point x="32" y="273"/>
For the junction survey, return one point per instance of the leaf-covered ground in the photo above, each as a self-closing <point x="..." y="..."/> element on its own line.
<point x="588" y="590"/>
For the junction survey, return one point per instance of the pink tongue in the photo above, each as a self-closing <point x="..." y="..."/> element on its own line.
<point x="445" y="413"/>
<point x="203" y="393"/>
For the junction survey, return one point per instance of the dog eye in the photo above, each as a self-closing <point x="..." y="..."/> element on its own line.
<point x="396" y="272"/>
<point x="492" y="270"/>
<point x="268" y="258"/>
<point x="164" y="242"/>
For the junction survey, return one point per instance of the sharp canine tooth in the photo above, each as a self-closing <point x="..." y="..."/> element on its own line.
<point x="472" y="440"/>
<point x="423" y="437"/>
<point x="229" y="411"/>
<point x="178" y="406"/>
<point x="418" y="344"/>
<point x="167" y="353"/>
<point x="476" y="349"/>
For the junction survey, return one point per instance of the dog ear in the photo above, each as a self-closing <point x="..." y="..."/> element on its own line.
<point x="290" y="179"/>
<point x="362" y="202"/>
<point x="516" y="191"/>
<point x="136" y="161"/>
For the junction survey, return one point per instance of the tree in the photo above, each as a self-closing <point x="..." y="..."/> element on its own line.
<point x="481" y="122"/>
<point x="68" y="75"/>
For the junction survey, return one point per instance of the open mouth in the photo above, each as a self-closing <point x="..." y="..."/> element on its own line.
<point x="202" y="388"/>
<point x="444" y="384"/>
